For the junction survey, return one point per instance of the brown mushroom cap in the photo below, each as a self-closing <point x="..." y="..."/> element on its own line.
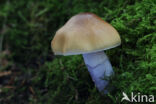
<point x="84" y="33"/>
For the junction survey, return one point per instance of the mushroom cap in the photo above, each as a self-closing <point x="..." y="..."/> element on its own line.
<point x="84" y="33"/>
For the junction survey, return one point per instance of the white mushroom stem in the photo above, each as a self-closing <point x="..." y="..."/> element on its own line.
<point x="99" y="68"/>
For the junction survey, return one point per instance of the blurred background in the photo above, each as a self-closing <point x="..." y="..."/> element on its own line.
<point x="31" y="74"/>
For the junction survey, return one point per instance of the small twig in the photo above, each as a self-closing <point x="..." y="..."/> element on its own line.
<point x="69" y="77"/>
<point x="32" y="90"/>
<point x="61" y="64"/>
<point x="5" y="73"/>
<point x="9" y="87"/>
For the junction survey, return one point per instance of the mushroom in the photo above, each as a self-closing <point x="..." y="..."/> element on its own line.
<point x="89" y="35"/>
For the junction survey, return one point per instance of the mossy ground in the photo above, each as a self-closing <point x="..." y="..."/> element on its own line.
<point x="39" y="77"/>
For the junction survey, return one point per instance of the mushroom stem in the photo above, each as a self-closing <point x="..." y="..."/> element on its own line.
<point x="99" y="68"/>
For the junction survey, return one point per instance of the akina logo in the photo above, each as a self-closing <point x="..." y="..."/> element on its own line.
<point x="137" y="97"/>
